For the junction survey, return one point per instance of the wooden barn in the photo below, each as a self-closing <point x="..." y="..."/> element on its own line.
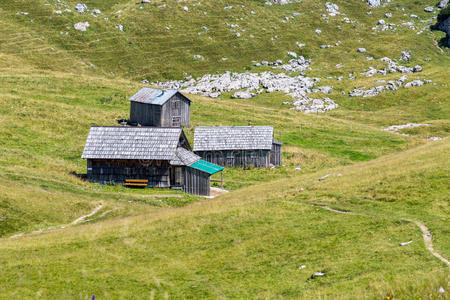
<point x="148" y="157"/>
<point x="238" y="146"/>
<point x="160" y="108"/>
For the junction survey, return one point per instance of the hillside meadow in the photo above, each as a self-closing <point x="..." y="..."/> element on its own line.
<point x="252" y="243"/>
<point x="277" y="226"/>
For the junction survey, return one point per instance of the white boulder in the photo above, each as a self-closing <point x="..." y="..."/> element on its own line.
<point x="82" y="26"/>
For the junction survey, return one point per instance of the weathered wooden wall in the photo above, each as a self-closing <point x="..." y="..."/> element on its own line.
<point x="275" y="154"/>
<point x="116" y="171"/>
<point x="145" y="114"/>
<point x="177" y="176"/>
<point x="196" y="182"/>
<point x="237" y="158"/>
<point x="176" y="112"/>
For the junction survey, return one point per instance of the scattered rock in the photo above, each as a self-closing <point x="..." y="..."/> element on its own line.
<point x="324" y="177"/>
<point x="406" y="55"/>
<point x="441" y="290"/>
<point x="298" y="169"/>
<point x="417" y="69"/>
<point x="185" y="8"/>
<point x="302" y="267"/>
<point x="361" y="50"/>
<point x="388" y="15"/>
<point x="374" y="3"/>
<point x="318" y="31"/>
<point x="325" y="89"/>
<point x="280" y="2"/>
<point x="82" y="26"/>
<point x="406" y="243"/>
<point x="317" y="274"/>
<point x="296" y="86"/>
<point x="414" y="83"/>
<point x="396" y="128"/>
<point x="332" y="8"/>
<point x="377" y="3"/>
<point x="381" y="22"/>
<point x="435" y="138"/>
<point x="243" y="95"/>
<point x="81" y="8"/>
<point x="443" y="3"/>
<point x="429" y="9"/>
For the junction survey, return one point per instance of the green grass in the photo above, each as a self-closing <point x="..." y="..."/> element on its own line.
<point x="250" y="242"/>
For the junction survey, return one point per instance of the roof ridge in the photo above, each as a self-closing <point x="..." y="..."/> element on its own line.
<point x="136" y="127"/>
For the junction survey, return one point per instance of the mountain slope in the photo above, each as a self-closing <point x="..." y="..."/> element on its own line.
<point x="252" y="242"/>
<point x="57" y="81"/>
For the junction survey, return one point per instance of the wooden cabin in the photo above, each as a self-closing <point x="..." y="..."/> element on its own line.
<point x="160" y="108"/>
<point x="151" y="156"/>
<point x="238" y="146"/>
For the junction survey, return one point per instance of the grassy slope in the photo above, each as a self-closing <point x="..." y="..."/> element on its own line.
<point x="46" y="116"/>
<point x="50" y="95"/>
<point x="251" y="243"/>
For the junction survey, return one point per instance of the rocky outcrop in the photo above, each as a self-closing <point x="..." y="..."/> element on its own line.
<point x="247" y="85"/>
<point x="377" y="3"/>
<point x="445" y="27"/>
<point x="396" y="128"/>
<point x="443" y="4"/>
<point x="391" y="85"/>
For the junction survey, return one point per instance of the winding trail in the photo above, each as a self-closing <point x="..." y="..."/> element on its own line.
<point x="93" y="212"/>
<point x="426" y="234"/>
<point x="80" y="219"/>
<point x="428" y="239"/>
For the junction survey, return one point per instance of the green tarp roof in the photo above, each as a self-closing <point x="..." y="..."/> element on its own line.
<point x="206" y="167"/>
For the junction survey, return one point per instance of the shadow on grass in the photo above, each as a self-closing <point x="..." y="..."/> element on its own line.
<point x="79" y="175"/>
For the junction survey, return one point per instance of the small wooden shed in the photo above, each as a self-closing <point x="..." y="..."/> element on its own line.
<point x="238" y="146"/>
<point x="160" y="108"/>
<point x="159" y="156"/>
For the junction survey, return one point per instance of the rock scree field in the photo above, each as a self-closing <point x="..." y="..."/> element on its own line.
<point x="357" y="91"/>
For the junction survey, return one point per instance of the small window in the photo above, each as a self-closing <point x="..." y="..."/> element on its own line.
<point x="230" y="155"/>
<point x="253" y="154"/>
<point x="176" y="121"/>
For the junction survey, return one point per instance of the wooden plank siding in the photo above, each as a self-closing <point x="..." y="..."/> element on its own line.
<point x="237" y="158"/>
<point x="196" y="182"/>
<point x="145" y="114"/>
<point x="173" y="113"/>
<point x="117" y="171"/>
<point x="176" y="107"/>
<point x="275" y="154"/>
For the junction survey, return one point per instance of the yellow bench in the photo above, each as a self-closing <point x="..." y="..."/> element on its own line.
<point x="136" y="182"/>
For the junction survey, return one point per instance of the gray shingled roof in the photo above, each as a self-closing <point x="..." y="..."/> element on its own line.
<point x="184" y="157"/>
<point x="157" y="143"/>
<point x="233" y="138"/>
<point x="153" y="96"/>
